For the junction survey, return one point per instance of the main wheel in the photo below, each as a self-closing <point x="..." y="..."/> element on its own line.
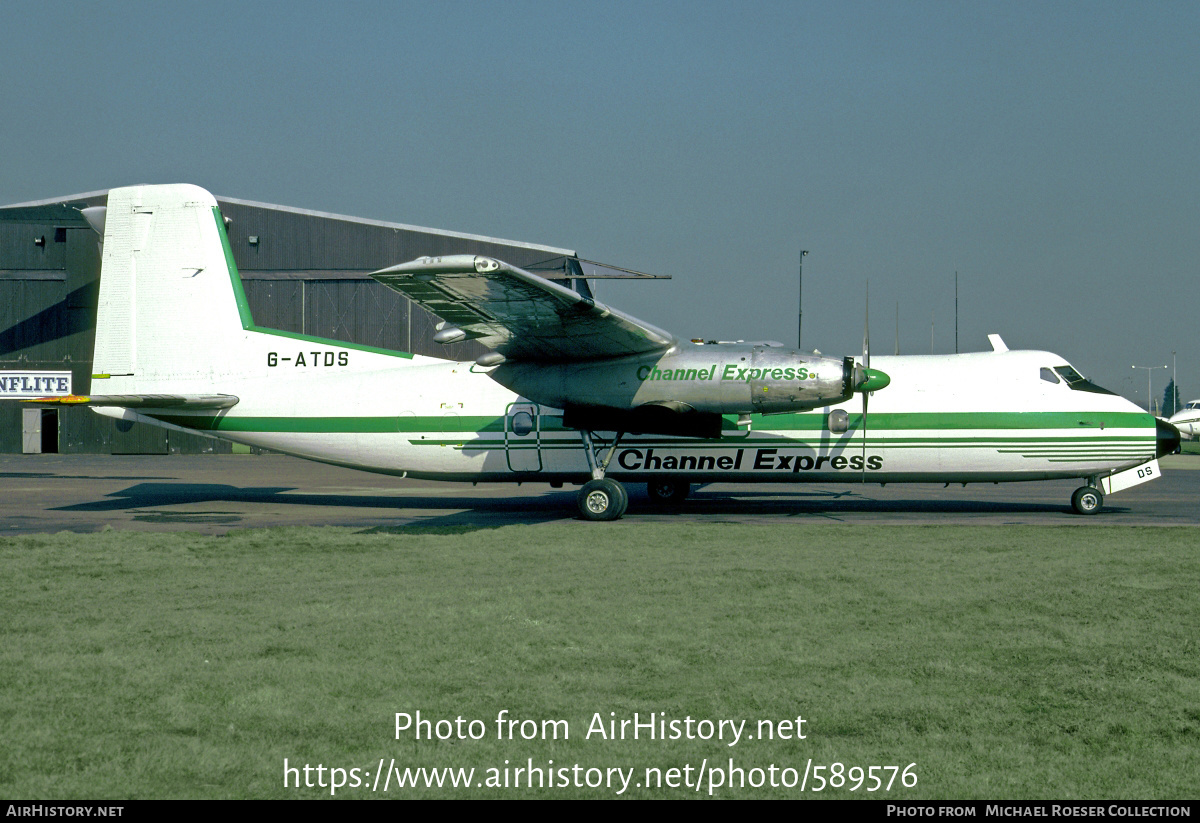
<point x="602" y="499"/>
<point x="624" y="492"/>
<point x="668" y="492"/>
<point x="1087" y="500"/>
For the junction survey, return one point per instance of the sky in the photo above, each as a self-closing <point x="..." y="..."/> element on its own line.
<point x="1046" y="152"/>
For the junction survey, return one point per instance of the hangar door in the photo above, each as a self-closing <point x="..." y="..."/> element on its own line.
<point x="39" y="431"/>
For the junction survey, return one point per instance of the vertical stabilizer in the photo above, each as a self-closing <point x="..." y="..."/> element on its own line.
<point x="169" y="309"/>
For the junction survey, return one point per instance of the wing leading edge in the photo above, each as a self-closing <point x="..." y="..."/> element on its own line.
<point x="517" y="313"/>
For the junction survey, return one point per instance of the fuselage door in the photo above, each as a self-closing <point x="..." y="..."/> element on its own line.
<point x="523" y="437"/>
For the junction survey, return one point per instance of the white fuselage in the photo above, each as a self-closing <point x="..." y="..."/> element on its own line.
<point x="174" y="327"/>
<point x="953" y="418"/>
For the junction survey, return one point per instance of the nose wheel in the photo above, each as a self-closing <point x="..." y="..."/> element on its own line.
<point x="1087" y="500"/>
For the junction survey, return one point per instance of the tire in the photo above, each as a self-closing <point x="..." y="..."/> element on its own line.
<point x="668" y="492"/>
<point x="1087" y="500"/>
<point x="602" y="499"/>
<point x="624" y="497"/>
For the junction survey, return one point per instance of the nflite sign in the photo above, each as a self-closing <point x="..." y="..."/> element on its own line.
<point x="25" y="385"/>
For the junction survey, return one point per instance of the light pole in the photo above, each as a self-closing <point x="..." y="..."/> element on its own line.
<point x="1174" y="387"/>
<point x="800" y="316"/>
<point x="1149" y="396"/>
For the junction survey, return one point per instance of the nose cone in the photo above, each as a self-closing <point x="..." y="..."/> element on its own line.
<point x="1168" y="438"/>
<point x="874" y="380"/>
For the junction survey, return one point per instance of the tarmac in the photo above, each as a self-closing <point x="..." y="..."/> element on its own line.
<point x="215" y="494"/>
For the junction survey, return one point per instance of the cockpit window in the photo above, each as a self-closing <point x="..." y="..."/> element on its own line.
<point x="1048" y="375"/>
<point x="1077" y="382"/>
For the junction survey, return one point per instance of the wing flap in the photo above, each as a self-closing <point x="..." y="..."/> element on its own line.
<point x="520" y="314"/>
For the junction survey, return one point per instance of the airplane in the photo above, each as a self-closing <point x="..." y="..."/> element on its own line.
<point x="1187" y="420"/>
<point x="572" y="391"/>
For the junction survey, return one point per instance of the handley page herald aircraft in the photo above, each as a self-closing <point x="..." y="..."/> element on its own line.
<point x="572" y="391"/>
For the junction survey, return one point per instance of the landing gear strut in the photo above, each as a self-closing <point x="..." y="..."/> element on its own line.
<point x="601" y="498"/>
<point x="1087" y="500"/>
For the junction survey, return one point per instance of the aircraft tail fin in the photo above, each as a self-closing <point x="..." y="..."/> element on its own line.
<point x="171" y="311"/>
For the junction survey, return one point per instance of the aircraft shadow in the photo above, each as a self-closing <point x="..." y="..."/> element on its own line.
<point x="169" y="494"/>
<point x="443" y="513"/>
<point x="852" y="501"/>
<point x="57" y="476"/>
<point x="461" y="511"/>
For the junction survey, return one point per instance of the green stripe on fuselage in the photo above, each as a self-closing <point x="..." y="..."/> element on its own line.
<point x="239" y="293"/>
<point x="931" y="422"/>
<point x="897" y="421"/>
<point x="247" y="317"/>
<point x="322" y="425"/>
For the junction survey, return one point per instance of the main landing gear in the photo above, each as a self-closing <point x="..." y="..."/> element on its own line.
<point x="1087" y="500"/>
<point x="668" y="492"/>
<point x="601" y="498"/>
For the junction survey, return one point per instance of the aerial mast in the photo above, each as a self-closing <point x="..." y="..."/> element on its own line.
<point x="800" y="316"/>
<point x="956" y="311"/>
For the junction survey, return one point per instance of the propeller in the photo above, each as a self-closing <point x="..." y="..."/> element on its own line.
<point x="871" y="379"/>
<point x="866" y="372"/>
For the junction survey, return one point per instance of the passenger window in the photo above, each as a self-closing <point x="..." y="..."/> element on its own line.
<point x="1048" y="375"/>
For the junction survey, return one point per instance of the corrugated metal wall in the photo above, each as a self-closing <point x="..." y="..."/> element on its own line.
<point x="289" y="241"/>
<point x="48" y="321"/>
<point x="329" y="260"/>
<point x="307" y="273"/>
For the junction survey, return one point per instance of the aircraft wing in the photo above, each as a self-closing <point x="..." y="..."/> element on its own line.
<point x="517" y="313"/>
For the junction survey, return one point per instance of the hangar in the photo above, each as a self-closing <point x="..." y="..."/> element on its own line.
<point x="303" y="271"/>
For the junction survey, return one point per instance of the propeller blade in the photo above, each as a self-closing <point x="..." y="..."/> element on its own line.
<point x="866" y="372"/>
<point x="867" y="328"/>
<point x="865" y="395"/>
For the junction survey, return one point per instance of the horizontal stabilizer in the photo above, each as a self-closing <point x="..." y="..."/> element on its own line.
<point x="144" y="401"/>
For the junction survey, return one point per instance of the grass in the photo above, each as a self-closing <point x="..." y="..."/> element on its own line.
<point x="1016" y="662"/>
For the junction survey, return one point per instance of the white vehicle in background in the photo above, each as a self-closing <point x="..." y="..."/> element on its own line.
<point x="1187" y="420"/>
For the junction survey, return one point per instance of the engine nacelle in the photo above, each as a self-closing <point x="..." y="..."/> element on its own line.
<point x="718" y="378"/>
